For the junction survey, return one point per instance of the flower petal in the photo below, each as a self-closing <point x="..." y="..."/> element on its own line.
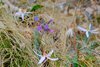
<point x="50" y="53"/>
<point x="22" y="16"/>
<point x="52" y="59"/>
<point x="90" y="27"/>
<point x="39" y="28"/>
<point x="46" y="27"/>
<point x="42" y="59"/>
<point x="82" y="29"/>
<point x="18" y="14"/>
<point x="95" y="31"/>
<point x="36" y="18"/>
<point x="37" y="54"/>
<point x="87" y="34"/>
<point x="51" y="31"/>
<point x="50" y="21"/>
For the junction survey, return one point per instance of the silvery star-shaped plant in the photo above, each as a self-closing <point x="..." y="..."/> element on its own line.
<point x="70" y="32"/>
<point x="21" y="14"/>
<point x="89" y="30"/>
<point x="43" y="58"/>
<point x="61" y="5"/>
<point x="88" y="15"/>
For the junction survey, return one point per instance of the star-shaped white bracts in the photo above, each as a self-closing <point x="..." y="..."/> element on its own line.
<point x="43" y="58"/>
<point x="89" y="30"/>
<point x="70" y="32"/>
<point x="22" y="13"/>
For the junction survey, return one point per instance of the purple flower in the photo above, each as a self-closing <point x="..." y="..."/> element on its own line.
<point x="39" y="28"/>
<point x="50" y="21"/>
<point x="46" y="27"/>
<point x="36" y="18"/>
<point x="51" y="31"/>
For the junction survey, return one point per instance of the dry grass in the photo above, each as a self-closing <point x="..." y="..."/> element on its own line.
<point x="17" y="41"/>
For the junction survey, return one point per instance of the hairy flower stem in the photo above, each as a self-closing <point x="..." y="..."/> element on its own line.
<point x="75" y="48"/>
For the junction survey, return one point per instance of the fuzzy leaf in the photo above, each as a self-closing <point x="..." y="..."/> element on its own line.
<point x="36" y="7"/>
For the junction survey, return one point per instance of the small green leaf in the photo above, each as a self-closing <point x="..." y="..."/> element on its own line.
<point x="75" y="61"/>
<point x="75" y="65"/>
<point x="36" y="7"/>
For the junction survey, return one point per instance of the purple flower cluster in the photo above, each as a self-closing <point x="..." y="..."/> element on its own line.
<point x="44" y="27"/>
